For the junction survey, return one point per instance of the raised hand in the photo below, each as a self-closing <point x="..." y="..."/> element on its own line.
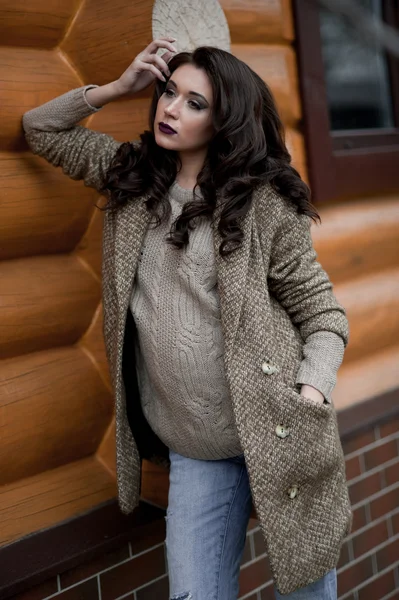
<point x="146" y="67"/>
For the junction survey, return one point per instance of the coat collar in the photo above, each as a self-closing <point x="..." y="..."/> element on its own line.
<point x="132" y="221"/>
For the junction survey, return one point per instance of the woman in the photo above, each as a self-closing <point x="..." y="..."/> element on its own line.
<point x="223" y="335"/>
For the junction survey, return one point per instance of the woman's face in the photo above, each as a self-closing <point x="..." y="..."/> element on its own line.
<point x="186" y="107"/>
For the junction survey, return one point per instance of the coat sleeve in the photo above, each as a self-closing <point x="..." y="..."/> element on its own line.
<point x="299" y="283"/>
<point x="52" y="132"/>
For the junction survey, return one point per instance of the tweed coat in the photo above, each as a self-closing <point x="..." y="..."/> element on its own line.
<point x="273" y="294"/>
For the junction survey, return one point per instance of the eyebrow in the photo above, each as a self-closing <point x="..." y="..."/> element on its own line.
<point x="193" y="93"/>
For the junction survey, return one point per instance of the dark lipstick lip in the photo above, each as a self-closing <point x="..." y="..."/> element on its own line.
<point x="167" y="127"/>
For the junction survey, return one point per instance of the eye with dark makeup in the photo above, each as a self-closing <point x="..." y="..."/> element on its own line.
<point x="193" y="103"/>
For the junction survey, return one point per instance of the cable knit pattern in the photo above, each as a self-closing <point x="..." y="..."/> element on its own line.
<point x="179" y="357"/>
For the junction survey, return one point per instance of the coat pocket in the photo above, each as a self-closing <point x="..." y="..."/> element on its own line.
<point x="307" y="439"/>
<point x="308" y="512"/>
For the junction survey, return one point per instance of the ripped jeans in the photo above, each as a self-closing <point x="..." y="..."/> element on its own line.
<point x="206" y="522"/>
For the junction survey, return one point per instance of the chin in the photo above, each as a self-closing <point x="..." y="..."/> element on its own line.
<point x="165" y="141"/>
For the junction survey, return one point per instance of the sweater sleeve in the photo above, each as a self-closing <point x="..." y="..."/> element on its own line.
<point x="52" y="132"/>
<point x="322" y="356"/>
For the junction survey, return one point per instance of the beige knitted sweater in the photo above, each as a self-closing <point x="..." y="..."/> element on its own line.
<point x="179" y="349"/>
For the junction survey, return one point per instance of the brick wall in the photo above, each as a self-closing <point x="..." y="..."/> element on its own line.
<point x="368" y="568"/>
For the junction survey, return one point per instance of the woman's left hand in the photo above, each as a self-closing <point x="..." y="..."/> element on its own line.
<point x="311" y="393"/>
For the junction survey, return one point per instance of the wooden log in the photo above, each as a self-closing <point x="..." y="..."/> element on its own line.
<point x="33" y="23"/>
<point x="154" y="484"/>
<point x="359" y="238"/>
<point x="125" y="120"/>
<point x="29" y="77"/>
<point x="54" y="409"/>
<point x="259" y="21"/>
<point x="192" y="23"/>
<point x="106" y="453"/>
<point x="105" y="37"/>
<point x="276" y="65"/>
<point x="46" y="301"/>
<point x="43" y="211"/>
<point x="41" y="501"/>
<point x="367" y="377"/>
<point x="296" y="147"/>
<point x="93" y="344"/>
<point x="89" y="248"/>
<point x="372" y="304"/>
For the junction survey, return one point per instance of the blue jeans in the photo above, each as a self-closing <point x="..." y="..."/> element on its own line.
<point x="206" y="522"/>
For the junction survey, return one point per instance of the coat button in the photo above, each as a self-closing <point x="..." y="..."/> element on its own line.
<point x="292" y="491"/>
<point x="268" y="368"/>
<point x="282" y="431"/>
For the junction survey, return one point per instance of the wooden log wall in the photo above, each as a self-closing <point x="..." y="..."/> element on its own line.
<point x="56" y="408"/>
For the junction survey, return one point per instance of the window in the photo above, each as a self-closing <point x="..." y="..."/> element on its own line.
<point x="350" y="95"/>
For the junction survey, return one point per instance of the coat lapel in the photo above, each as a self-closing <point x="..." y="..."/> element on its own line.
<point x="232" y="274"/>
<point x="131" y="226"/>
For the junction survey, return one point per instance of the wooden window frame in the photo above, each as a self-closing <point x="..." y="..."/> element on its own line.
<point x="342" y="164"/>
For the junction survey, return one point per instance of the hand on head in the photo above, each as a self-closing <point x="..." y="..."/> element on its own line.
<point x="147" y="66"/>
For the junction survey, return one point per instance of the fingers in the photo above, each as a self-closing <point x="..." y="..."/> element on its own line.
<point x="150" y="61"/>
<point x="160" y="63"/>
<point x="166" y="56"/>
<point x="161" y="43"/>
<point x="150" y="67"/>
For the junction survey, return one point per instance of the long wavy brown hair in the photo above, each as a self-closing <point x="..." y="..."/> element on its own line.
<point x="247" y="149"/>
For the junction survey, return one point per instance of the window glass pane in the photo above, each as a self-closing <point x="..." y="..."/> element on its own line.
<point x="357" y="79"/>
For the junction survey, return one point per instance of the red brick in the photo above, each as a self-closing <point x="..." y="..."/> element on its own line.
<point x="395" y="522"/>
<point x="252" y="597"/>
<point x="344" y="555"/>
<point x="388" y="555"/>
<point x="358" y="442"/>
<point x="148" y="536"/>
<point x="352" y="467"/>
<point x="392" y="474"/>
<point x="88" y="590"/>
<point x="159" y="590"/>
<point x="378" y="588"/>
<point x="86" y="570"/>
<point x="395" y="596"/>
<point x="132" y="574"/>
<point x="386" y="503"/>
<point x="359" y="518"/>
<point x="389" y="427"/>
<point x="253" y="523"/>
<point x="380" y="454"/>
<point x="254" y="575"/>
<point x="259" y="543"/>
<point x="267" y="593"/>
<point x="246" y="556"/>
<point x="365" y="488"/>
<point x="354" y="575"/>
<point x="38" y="592"/>
<point x="373" y="536"/>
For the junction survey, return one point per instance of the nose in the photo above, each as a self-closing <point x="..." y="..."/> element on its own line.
<point x="172" y="110"/>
